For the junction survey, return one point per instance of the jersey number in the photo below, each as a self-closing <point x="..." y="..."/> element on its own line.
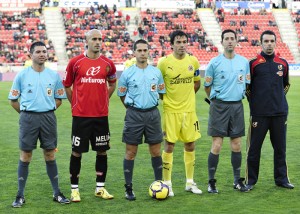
<point x="76" y="141"/>
<point x="196" y="126"/>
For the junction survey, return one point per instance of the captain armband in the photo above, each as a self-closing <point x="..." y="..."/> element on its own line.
<point x="196" y="73"/>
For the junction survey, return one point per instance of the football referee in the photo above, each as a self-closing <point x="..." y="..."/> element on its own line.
<point x="139" y="89"/>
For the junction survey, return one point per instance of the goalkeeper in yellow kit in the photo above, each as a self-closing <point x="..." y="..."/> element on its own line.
<point x="181" y="74"/>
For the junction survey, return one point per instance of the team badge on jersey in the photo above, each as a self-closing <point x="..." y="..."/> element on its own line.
<point x="191" y="68"/>
<point x="208" y="79"/>
<point x="280" y="73"/>
<point x="248" y="77"/>
<point x="15" y="93"/>
<point x="122" y="89"/>
<point x="254" y="124"/>
<point x="240" y="78"/>
<point x="60" y="92"/>
<point x="49" y="92"/>
<point x="280" y="67"/>
<point x="161" y="86"/>
<point x="153" y="87"/>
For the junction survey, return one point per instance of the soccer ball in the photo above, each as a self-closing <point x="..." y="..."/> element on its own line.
<point x="159" y="190"/>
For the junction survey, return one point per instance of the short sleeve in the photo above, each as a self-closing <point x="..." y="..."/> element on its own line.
<point x="59" y="89"/>
<point x="111" y="76"/>
<point x="160" y="65"/>
<point x="209" y="73"/>
<point x="161" y="83"/>
<point x="248" y="75"/>
<point x="15" y="90"/>
<point x="69" y="76"/>
<point x="122" y="85"/>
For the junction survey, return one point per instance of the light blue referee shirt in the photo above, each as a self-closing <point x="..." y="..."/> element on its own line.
<point x="37" y="90"/>
<point x="141" y="87"/>
<point x="227" y="77"/>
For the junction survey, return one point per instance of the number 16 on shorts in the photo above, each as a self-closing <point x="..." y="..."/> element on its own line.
<point x="75" y="141"/>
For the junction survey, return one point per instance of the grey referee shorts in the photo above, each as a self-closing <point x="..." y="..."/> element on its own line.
<point x="34" y="126"/>
<point x="226" y="119"/>
<point x="142" y="123"/>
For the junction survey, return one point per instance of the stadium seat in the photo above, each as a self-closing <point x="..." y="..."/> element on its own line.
<point x="263" y="23"/>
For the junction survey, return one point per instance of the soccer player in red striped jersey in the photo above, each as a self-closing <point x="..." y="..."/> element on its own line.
<point x="90" y="81"/>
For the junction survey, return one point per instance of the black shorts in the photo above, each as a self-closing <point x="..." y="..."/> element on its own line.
<point x="90" y="129"/>
<point x="142" y="123"/>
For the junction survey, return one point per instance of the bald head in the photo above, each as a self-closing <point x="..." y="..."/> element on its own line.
<point x="92" y="33"/>
<point x="94" y="43"/>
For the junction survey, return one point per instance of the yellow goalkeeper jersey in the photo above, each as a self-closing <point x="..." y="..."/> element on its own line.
<point x="179" y="77"/>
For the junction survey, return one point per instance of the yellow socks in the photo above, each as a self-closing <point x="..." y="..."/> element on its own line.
<point x="167" y="159"/>
<point x="189" y="162"/>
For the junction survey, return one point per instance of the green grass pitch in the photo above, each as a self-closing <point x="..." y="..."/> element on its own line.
<point x="265" y="198"/>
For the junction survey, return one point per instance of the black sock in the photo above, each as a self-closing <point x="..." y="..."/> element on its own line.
<point x="23" y="171"/>
<point x="157" y="167"/>
<point x="128" y="170"/>
<point x="52" y="172"/>
<point x="213" y="161"/>
<point x="236" y="162"/>
<point x="75" y="165"/>
<point x="101" y="168"/>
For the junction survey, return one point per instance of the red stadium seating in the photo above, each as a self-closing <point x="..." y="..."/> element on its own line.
<point x="296" y="19"/>
<point x="248" y="31"/>
<point x="113" y="30"/>
<point x="158" y="25"/>
<point x="184" y="20"/>
<point x="14" y="43"/>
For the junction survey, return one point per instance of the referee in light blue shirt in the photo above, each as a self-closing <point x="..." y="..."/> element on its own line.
<point x="37" y="91"/>
<point x="139" y="88"/>
<point x="35" y="94"/>
<point x="226" y="77"/>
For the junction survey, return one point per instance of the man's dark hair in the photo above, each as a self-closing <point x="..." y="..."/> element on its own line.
<point x="36" y="44"/>
<point x="228" y="31"/>
<point x="266" y="32"/>
<point x="177" y="33"/>
<point x="140" y="41"/>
